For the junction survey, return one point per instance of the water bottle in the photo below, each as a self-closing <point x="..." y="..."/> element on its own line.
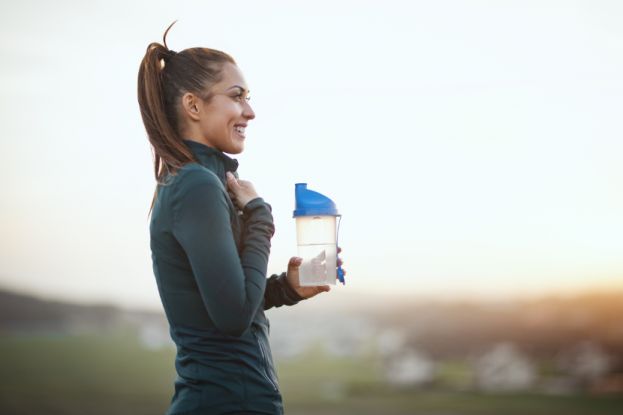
<point x="316" y="236"/>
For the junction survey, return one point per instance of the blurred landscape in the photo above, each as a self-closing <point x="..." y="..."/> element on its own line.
<point x="472" y="147"/>
<point x="551" y="355"/>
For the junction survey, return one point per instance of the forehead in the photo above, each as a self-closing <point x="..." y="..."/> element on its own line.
<point x="231" y="76"/>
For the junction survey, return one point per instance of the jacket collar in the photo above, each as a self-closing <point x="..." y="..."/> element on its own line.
<point x="213" y="159"/>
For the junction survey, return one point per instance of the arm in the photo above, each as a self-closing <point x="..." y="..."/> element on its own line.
<point x="231" y="285"/>
<point x="279" y="292"/>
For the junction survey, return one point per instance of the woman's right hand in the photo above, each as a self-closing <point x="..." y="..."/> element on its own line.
<point x="240" y="191"/>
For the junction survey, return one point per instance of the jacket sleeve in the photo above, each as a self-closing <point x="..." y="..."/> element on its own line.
<point x="231" y="285"/>
<point x="278" y="292"/>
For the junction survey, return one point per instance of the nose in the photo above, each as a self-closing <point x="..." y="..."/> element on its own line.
<point x="248" y="112"/>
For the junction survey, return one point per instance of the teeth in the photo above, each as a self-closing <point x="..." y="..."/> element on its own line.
<point x="240" y="130"/>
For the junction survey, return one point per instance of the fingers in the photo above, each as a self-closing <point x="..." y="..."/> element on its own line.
<point x="320" y="289"/>
<point x="233" y="188"/>
<point x="294" y="263"/>
<point x="339" y="260"/>
<point x="232" y="182"/>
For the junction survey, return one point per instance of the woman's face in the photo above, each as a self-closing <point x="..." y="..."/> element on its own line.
<point x="224" y="118"/>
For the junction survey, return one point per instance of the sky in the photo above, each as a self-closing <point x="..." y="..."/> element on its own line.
<point x="472" y="147"/>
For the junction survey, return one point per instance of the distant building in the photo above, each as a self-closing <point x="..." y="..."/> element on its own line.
<point x="390" y="341"/>
<point x="409" y="368"/>
<point x="347" y="336"/>
<point x="504" y="368"/>
<point x="585" y="362"/>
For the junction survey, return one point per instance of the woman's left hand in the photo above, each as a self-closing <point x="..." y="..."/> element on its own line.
<point x="292" y="276"/>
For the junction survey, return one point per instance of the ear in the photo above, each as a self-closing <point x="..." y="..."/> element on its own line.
<point x="191" y="106"/>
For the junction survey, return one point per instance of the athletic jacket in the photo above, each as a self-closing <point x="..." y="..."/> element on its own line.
<point x="210" y="263"/>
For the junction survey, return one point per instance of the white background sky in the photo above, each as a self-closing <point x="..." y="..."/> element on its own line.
<point x="473" y="147"/>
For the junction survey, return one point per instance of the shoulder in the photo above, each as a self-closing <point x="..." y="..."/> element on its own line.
<point x="197" y="192"/>
<point x="193" y="179"/>
<point x="192" y="175"/>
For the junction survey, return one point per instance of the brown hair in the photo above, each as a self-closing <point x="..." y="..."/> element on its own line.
<point x="163" y="77"/>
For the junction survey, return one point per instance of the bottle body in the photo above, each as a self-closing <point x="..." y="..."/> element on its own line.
<point x="316" y="240"/>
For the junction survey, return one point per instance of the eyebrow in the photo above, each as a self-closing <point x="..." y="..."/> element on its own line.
<point x="237" y="86"/>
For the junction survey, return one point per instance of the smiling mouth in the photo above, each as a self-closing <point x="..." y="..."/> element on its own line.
<point x="240" y="130"/>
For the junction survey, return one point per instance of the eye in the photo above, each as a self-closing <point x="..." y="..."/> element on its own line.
<point x="241" y="97"/>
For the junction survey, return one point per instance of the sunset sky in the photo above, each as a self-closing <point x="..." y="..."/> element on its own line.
<point x="473" y="147"/>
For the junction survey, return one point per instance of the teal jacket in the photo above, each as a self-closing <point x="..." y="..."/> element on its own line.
<point x="210" y="263"/>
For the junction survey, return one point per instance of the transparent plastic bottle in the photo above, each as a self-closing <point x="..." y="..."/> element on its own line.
<point x="316" y="235"/>
<point x="317" y="246"/>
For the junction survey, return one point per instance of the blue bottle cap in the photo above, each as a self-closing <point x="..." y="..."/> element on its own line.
<point x="310" y="203"/>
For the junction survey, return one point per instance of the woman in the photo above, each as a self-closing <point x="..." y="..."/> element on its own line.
<point x="210" y="234"/>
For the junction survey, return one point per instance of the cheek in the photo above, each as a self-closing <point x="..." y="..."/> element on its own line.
<point x="216" y="123"/>
<point x="222" y="120"/>
<point x="232" y="110"/>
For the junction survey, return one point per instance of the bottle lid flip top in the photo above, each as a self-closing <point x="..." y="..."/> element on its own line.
<point x="311" y="203"/>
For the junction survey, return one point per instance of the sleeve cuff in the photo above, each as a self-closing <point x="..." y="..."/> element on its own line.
<point x="288" y="290"/>
<point x="254" y="204"/>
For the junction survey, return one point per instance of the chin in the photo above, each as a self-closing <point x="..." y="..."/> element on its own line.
<point x="235" y="149"/>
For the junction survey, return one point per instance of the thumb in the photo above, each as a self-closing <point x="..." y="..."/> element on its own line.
<point x="294" y="263"/>
<point x="231" y="180"/>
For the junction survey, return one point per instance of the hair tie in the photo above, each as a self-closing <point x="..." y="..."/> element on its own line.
<point x="168" y="54"/>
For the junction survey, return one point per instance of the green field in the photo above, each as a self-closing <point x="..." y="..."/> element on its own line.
<point x="114" y="374"/>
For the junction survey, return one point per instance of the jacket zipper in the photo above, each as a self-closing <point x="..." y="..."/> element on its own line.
<point x="265" y="361"/>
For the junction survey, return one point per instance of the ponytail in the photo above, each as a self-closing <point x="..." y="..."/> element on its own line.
<point x="163" y="77"/>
